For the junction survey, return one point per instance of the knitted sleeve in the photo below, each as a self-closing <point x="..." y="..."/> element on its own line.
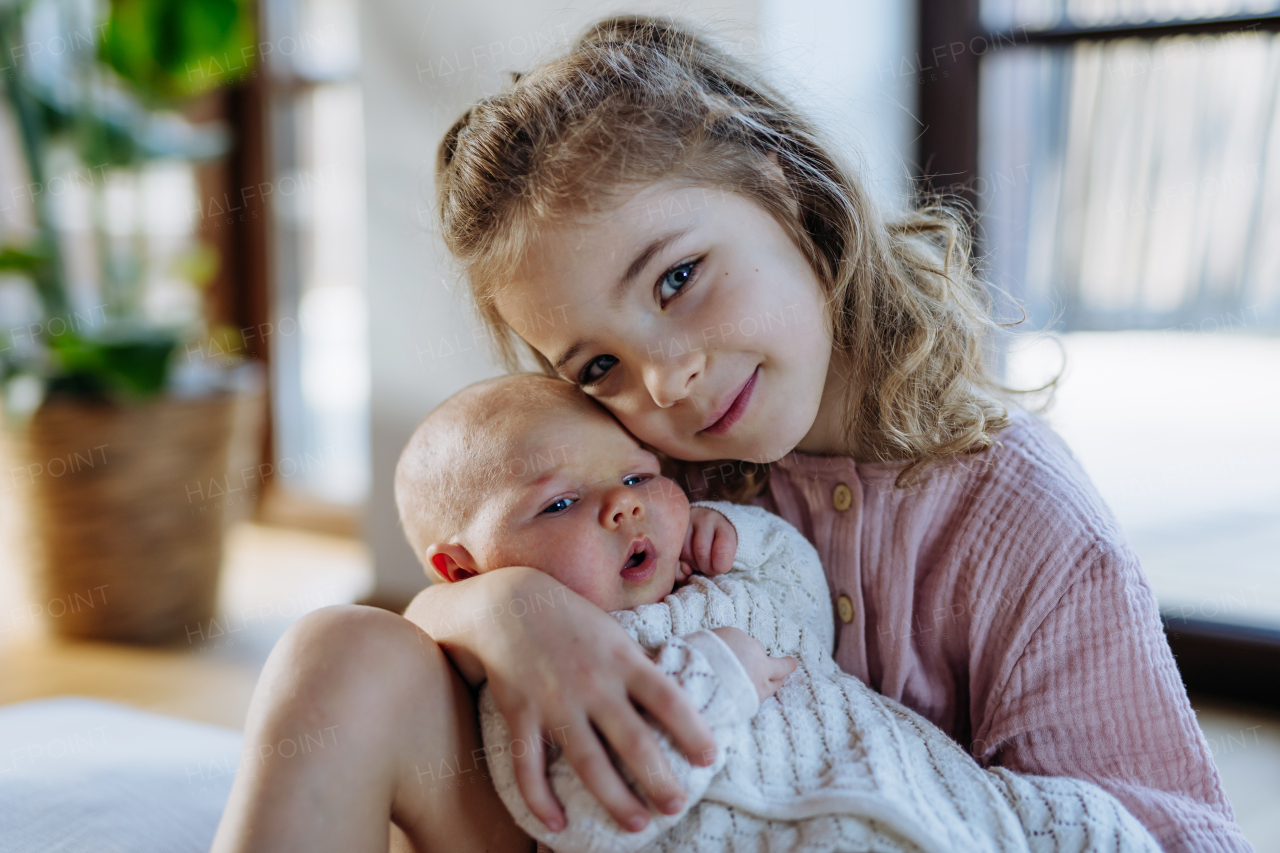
<point x="713" y="678"/>
<point x="782" y="565"/>
<point x="1109" y="707"/>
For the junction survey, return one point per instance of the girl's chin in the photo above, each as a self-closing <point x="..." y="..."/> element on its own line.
<point x="759" y="449"/>
<point x="743" y="443"/>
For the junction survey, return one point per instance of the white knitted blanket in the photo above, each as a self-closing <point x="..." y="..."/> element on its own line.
<point x="826" y="764"/>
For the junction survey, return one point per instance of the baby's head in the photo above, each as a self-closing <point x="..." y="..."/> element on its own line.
<point x="526" y="470"/>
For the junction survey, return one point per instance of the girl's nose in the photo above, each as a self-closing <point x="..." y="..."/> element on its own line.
<point x="668" y="380"/>
<point x="620" y="505"/>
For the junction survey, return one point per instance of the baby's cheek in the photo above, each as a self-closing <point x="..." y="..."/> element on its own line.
<point x="597" y="582"/>
<point x="674" y="507"/>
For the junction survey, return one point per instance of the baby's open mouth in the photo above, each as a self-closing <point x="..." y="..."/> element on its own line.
<point x="642" y="563"/>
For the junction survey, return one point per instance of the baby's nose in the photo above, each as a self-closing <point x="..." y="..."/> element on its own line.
<point x="623" y="506"/>
<point x="633" y="509"/>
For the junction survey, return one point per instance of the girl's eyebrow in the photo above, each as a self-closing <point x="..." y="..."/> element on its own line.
<point x="569" y="355"/>
<point x="642" y="260"/>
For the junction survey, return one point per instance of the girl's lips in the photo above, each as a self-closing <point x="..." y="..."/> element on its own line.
<point x="645" y="569"/>
<point x="736" y="409"/>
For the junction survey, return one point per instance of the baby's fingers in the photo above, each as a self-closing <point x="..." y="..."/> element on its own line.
<point x="703" y="537"/>
<point x="776" y="672"/>
<point x="686" y="550"/>
<point x="724" y="548"/>
<point x="531" y="778"/>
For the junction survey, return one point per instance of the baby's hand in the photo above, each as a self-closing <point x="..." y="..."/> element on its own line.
<point x="766" y="673"/>
<point x="709" y="545"/>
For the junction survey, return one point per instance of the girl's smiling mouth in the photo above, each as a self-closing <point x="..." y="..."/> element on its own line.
<point x="730" y="414"/>
<point x="642" y="564"/>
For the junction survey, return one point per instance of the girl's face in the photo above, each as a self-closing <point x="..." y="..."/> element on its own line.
<point x="690" y="314"/>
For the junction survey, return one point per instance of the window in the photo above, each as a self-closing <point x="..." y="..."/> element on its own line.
<point x="1124" y="159"/>
<point x="320" y="362"/>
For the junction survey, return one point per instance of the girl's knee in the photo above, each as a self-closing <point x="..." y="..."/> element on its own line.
<point x="349" y="641"/>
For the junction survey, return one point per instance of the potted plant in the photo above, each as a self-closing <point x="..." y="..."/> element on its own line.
<point x="111" y="435"/>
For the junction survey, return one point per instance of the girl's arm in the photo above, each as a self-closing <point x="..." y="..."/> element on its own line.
<point x="557" y="663"/>
<point x="710" y="674"/>
<point x="1096" y="695"/>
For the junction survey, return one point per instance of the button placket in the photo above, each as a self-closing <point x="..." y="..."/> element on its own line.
<point x="847" y="521"/>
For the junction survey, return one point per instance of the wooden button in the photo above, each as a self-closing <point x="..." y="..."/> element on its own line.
<point x="841" y="497"/>
<point x="844" y="606"/>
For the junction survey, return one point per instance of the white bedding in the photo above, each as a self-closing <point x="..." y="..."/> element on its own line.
<point x="79" y="775"/>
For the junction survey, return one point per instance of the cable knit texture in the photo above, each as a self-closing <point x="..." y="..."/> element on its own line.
<point x="999" y="599"/>
<point x="826" y="764"/>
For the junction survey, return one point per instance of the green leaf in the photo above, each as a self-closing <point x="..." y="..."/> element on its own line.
<point x="13" y="259"/>
<point x="174" y="49"/>
<point x="136" y="367"/>
<point x="103" y="143"/>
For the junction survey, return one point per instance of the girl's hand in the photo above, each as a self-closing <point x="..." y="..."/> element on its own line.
<point x="767" y="673"/>
<point x="563" y="671"/>
<point x="710" y="544"/>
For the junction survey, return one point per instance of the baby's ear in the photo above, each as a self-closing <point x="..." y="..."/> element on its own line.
<point x="451" y="562"/>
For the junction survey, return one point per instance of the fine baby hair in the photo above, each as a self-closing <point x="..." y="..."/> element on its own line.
<point x="456" y="454"/>
<point x="638" y="100"/>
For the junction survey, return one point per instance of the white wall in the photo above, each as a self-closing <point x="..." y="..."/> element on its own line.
<point x="422" y="65"/>
<point x="843" y="61"/>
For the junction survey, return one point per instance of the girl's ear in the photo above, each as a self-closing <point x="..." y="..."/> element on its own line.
<point x="776" y="166"/>
<point x="451" y="562"/>
<point x="775" y="169"/>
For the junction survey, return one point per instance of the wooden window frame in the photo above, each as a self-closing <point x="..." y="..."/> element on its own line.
<point x="235" y="220"/>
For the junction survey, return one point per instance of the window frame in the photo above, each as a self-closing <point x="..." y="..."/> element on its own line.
<point x="275" y="96"/>
<point x="1219" y="659"/>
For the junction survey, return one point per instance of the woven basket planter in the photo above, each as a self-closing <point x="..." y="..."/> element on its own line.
<point x="125" y="543"/>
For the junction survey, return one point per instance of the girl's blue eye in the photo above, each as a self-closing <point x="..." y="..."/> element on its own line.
<point x="596" y="369"/>
<point x="560" y="505"/>
<point x="634" y="479"/>
<point x="674" y="279"/>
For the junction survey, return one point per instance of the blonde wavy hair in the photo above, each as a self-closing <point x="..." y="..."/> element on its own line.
<point x="637" y="100"/>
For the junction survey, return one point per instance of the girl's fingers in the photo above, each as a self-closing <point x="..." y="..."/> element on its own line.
<point x="531" y="779"/>
<point x="660" y="696"/>
<point x="587" y="757"/>
<point x="637" y="748"/>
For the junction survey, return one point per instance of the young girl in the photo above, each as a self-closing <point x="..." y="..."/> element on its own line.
<point x="662" y="228"/>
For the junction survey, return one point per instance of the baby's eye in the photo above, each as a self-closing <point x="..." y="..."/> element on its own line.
<point x="559" y="505"/>
<point x="635" y="479"/>
<point x="674" y="279"/>
<point x="596" y="369"/>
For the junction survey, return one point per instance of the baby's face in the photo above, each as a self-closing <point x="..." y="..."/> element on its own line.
<point x="580" y="500"/>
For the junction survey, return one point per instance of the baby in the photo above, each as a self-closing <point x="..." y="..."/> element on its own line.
<point x="809" y="758"/>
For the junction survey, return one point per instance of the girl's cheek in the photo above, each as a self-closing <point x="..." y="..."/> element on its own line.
<point x="652" y="427"/>
<point x="720" y="312"/>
